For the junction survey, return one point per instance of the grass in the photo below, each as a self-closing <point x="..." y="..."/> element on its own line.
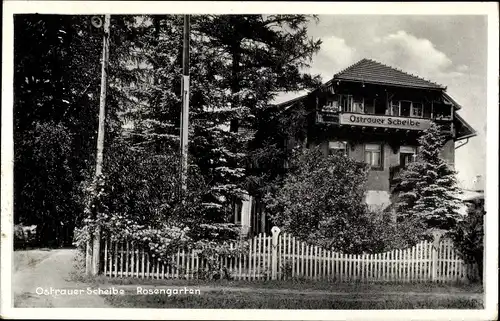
<point x="78" y="272"/>
<point x="303" y="285"/>
<point x="23" y="258"/>
<point x="235" y="300"/>
<point x="256" y="295"/>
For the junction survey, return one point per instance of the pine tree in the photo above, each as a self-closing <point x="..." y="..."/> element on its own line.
<point x="56" y="86"/>
<point x="260" y="55"/>
<point x="238" y="63"/>
<point x="427" y="188"/>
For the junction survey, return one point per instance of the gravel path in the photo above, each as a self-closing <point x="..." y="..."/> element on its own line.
<point x="52" y="276"/>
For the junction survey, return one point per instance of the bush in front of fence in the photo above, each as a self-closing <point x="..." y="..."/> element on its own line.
<point x="287" y="269"/>
<point x="468" y="236"/>
<point x="163" y="246"/>
<point x="213" y="273"/>
<point x="322" y="201"/>
<point x="139" y="201"/>
<point x="383" y="233"/>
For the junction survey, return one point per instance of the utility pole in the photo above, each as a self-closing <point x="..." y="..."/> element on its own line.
<point x="185" y="104"/>
<point x="96" y="241"/>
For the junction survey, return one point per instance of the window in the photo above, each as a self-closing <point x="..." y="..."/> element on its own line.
<point x="345" y="102"/>
<point x="373" y="155"/>
<point x="417" y="110"/>
<point x="337" y="148"/>
<point x="380" y="106"/>
<point x="332" y="104"/>
<point x="357" y="106"/>
<point x="442" y="112"/>
<point x="405" y="108"/>
<point x="370" y="106"/>
<point x="427" y="111"/>
<point x="394" y="111"/>
<point x="407" y="154"/>
<point x="237" y="206"/>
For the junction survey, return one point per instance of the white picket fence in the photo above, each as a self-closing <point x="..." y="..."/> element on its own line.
<point x="282" y="256"/>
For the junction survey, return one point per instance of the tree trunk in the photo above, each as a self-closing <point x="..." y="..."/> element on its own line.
<point x="479" y="262"/>
<point x="235" y="81"/>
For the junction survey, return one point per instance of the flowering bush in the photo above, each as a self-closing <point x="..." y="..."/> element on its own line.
<point x="142" y="204"/>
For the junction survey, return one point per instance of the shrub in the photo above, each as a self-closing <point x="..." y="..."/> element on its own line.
<point x="139" y="200"/>
<point x="383" y="233"/>
<point x="321" y="200"/>
<point x="468" y="236"/>
<point x="24" y="235"/>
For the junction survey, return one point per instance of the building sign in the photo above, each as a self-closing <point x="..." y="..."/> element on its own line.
<point x="384" y="121"/>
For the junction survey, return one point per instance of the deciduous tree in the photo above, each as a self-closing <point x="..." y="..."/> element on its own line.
<point x="321" y="200"/>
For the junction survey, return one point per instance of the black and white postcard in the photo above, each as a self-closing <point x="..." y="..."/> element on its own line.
<point x="249" y="160"/>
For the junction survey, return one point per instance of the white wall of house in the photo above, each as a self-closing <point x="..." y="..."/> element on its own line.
<point x="377" y="199"/>
<point x="246" y="212"/>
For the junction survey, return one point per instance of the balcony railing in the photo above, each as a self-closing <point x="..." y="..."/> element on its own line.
<point x="332" y="115"/>
<point x="445" y="124"/>
<point x="327" y="117"/>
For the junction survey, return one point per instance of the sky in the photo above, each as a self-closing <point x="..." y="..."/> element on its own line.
<point x="449" y="50"/>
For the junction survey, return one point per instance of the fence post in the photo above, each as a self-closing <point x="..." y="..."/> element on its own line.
<point x="88" y="257"/>
<point x="96" y="251"/>
<point x="436" y="234"/>
<point x="274" y="258"/>
<point x="434" y="261"/>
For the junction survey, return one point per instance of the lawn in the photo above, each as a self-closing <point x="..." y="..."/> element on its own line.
<point x="224" y="294"/>
<point x="235" y="300"/>
<point x="375" y="287"/>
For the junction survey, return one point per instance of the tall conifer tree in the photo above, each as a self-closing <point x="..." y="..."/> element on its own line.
<point x="427" y="188"/>
<point x="238" y="64"/>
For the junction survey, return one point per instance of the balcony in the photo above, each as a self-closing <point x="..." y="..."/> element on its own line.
<point x="327" y="117"/>
<point x="334" y="116"/>
<point x="445" y="124"/>
<point x="369" y="120"/>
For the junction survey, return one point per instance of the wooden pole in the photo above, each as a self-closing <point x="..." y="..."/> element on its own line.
<point x="185" y="104"/>
<point x="100" y="137"/>
<point x="274" y="259"/>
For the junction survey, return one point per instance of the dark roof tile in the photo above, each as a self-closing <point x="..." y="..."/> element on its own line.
<point x="370" y="71"/>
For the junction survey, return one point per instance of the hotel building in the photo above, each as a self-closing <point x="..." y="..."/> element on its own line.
<point x="373" y="113"/>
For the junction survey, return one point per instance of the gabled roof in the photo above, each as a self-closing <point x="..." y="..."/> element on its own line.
<point x="463" y="129"/>
<point x="370" y="71"/>
<point x="293" y="97"/>
<point x="452" y="101"/>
